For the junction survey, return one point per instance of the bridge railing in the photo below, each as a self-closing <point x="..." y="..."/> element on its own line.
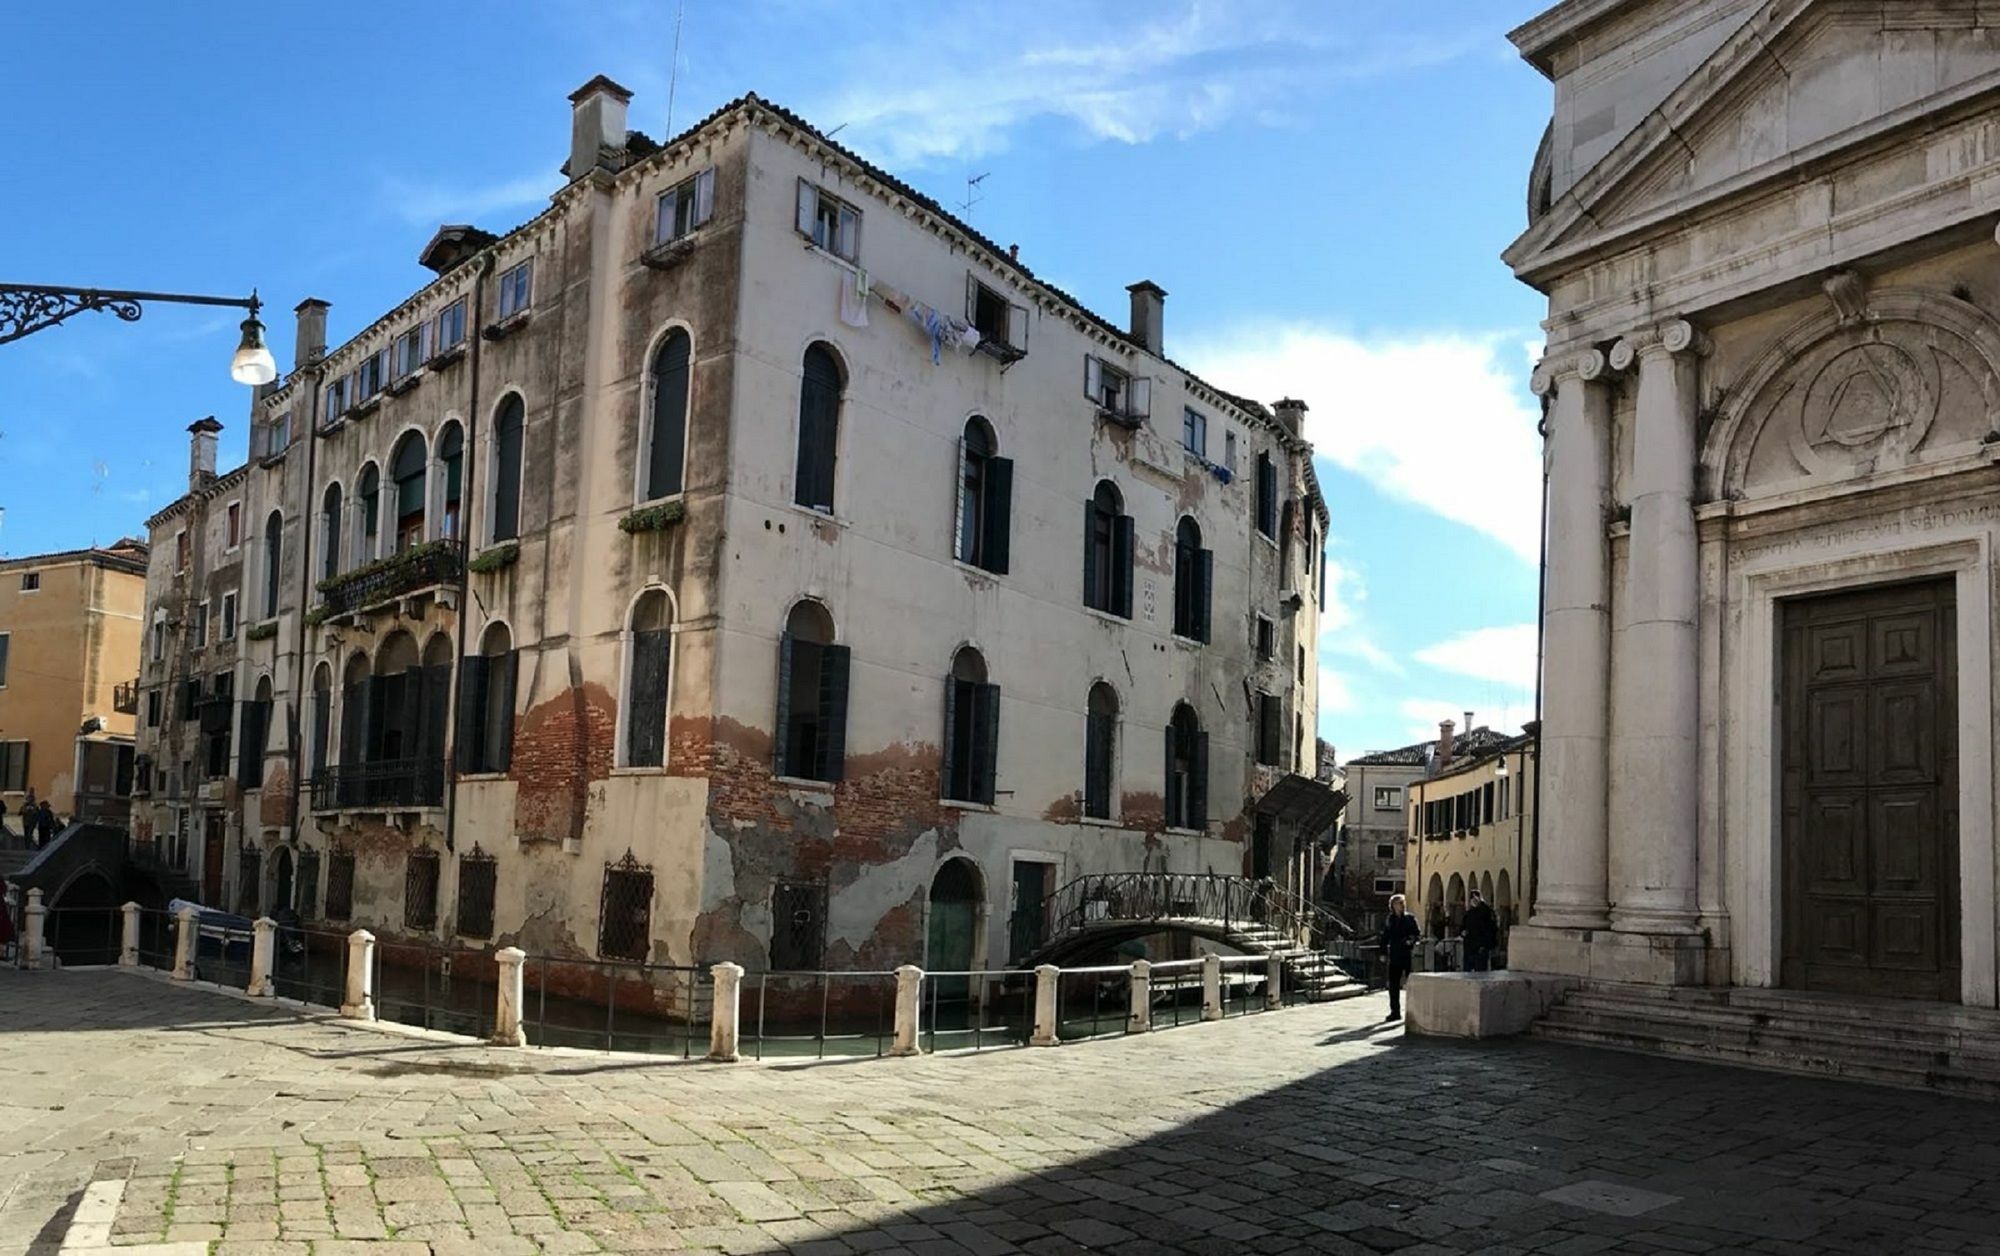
<point x="1232" y="902"/>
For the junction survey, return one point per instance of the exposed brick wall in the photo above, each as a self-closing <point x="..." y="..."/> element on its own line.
<point x="560" y="746"/>
<point x="275" y="805"/>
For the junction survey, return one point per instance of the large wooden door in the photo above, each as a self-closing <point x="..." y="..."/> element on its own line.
<point x="1870" y="760"/>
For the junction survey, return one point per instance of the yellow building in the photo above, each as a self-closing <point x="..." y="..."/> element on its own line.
<point x="1472" y="828"/>
<point x="69" y="660"/>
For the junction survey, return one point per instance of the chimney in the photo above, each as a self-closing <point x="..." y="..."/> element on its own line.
<point x="1468" y="724"/>
<point x="1291" y="414"/>
<point x="596" y="124"/>
<point x="1149" y="306"/>
<point x="1444" y="743"/>
<point x="201" y="453"/>
<point x="309" y="346"/>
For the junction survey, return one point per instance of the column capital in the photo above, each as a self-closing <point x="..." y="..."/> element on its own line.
<point x="1673" y="337"/>
<point x="1552" y="370"/>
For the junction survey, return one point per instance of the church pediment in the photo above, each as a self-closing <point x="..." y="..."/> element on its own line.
<point x="1799" y="79"/>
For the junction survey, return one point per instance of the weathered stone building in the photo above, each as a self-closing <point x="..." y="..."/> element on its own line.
<point x="1766" y="230"/>
<point x="744" y="559"/>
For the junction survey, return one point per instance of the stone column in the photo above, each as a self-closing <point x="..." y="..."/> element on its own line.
<point x="263" y="950"/>
<point x="128" y="950"/>
<point x="509" y="963"/>
<point x="723" y="1020"/>
<point x="909" y="1004"/>
<point x="1141" y="1018"/>
<point x="1046" y="1030"/>
<point x="360" y="1001"/>
<point x="1211" y="986"/>
<point x="34" y="939"/>
<point x="1274" y="979"/>
<point x="1655" y="756"/>
<point x="1570" y="875"/>
<point x="184" y="945"/>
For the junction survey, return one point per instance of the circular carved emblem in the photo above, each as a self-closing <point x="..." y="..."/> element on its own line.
<point x="1863" y="393"/>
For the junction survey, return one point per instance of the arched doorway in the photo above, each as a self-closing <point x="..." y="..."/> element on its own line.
<point x="1434" y="906"/>
<point x="83" y="926"/>
<point x="1503" y="901"/>
<point x="281" y="880"/>
<point x="1454" y="901"/>
<point x="956" y="894"/>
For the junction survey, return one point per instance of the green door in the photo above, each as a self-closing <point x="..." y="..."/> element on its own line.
<point x="954" y="920"/>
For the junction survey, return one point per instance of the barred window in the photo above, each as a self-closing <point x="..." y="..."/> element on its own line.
<point x="477" y="875"/>
<point x="340" y="885"/>
<point x="798" y="927"/>
<point x="420" y="891"/>
<point x="625" y="915"/>
<point x="308" y="884"/>
<point x="249" y="884"/>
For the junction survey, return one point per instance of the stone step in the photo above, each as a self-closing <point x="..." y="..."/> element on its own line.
<point x="1795" y="1039"/>
<point x="1888" y="1026"/>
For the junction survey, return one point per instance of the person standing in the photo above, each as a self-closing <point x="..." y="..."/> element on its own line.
<point x="48" y="823"/>
<point x="1399" y="936"/>
<point x="1481" y="930"/>
<point x="30" y="814"/>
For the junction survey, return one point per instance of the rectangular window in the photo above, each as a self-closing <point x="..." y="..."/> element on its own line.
<point x="336" y="400"/>
<point x="152" y="708"/>
<point x="1194" y="432"/>
<point x="514" y="288"/>
<point x="31" y="581"/>
<point x="371" y="376"/>
<point x="5" y="639"/>
<point x="1002" y="325"/>
<point x="684" y="207"/>
<point x="1385" y="850"/>
<point x="340" y="885"/>
<point x="411" y="350"/>
<point x="229" y="617"/>
<point x="1229" y="450"/>
<point x="280" y="438"/>
<point x="1267" y="639"/>
<point x="451" y="326"/>
<point x="1302" y="665"/>
<point x="1388" y="798"/>
<point x="1116" y="393"/>
<point x="13" y="766"/>
<point x="625" y="915"/>
<point x="308" y="884"/>
<point x="1270" y="728"/>
<point x="798" y="927"/>
<point x="201" y="625"/>
<point x="1267" y="496"/>
<point x="829" y="222"/>
<point x="478" y="875"/>
<point x="1486" y="803"/>
<point x="1385" y="885"/>
<point x="420" y="891"/>
<point x="159" y="639"/>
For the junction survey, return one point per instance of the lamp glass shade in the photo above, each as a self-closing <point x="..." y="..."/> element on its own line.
<point x="253" y="363"/>
<point x="1501" y="768"/>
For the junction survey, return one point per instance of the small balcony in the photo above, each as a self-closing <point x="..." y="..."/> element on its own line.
<point x="388" y="785"/>
<point x="431" y="565"/>
<point x="125" y="697"/>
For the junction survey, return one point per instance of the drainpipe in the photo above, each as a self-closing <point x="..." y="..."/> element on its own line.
<point x="301" y="676"/>
<point x="1530" y="892"/>
<point x="482" y="267"/>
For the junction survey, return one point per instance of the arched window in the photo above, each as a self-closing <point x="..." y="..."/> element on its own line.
<point x="812" y="696"/>
<point x="256" y="732"/>
<point x="507" y="422"/>
<point x="971" y="730"/>
<point x="666" y="425"/>
<point x="820" y="387"/>
<point x="1187" y="770"/>
<point x="649" y="654"/>
<point x="1107" y="552"/>
<point x="1194" y="575"/>
<point x="1100" y="750"/>
<point x="985" y="498"/>
<point x="451" y="474"/>
<point x="368" y="515"/>
<point x="322" y="719"/>
<point x="408" y="469"/>
<point x="485" y="737"/>
<point x="329" y="526"/>
<point x="274" y="555"/>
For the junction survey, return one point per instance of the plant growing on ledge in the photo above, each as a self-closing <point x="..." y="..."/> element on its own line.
<point x="654" y="518"/>
<point x="316" y="616"/>
<point x="429" y="563"/>
<point x="505" y="554"/>
<point x="261" y="632"/>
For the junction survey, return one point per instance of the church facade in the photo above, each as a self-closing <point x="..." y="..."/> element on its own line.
<point x="1766" y="230"/>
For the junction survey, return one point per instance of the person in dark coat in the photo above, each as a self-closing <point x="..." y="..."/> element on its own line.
<point x="48" y="823"/>
<point x="1481" y="930"/>
<point x="1399" y="935"/>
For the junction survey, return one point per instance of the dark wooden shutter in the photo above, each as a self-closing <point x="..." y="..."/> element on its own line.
<point x="1174" y="801"/>
<point x="432" y="731"/>
<point x="322" y="724"/>
<point x="250" y="751"/>
<point x="999" y="520"/>
<point x="1121" y="566"/>
<point x="948" y="766"/>
<point x="832" y="712"/>
<point x="819" y="429"/>
<point x="468" y="753"/>
<point x="1198" y="782"/>
<point x="500" y="687"/>
<point x="670" y="401"/>
<point x="353" y="722"/>
<point x="507" y="471"/>
<point x="1270" y="734"/>
<point x="646" y="698"/>
<point x="986" y="728"/>
<point x="1090" y="576"/>
<point x="1097" y="733"/>
<point x="1204" y="592"/>
<point x="781" y="740"/>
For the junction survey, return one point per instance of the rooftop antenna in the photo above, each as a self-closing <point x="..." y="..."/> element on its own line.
<point x="837" y="130"/>
<point x="674" y="71"/>
<point x="972" y="193"/>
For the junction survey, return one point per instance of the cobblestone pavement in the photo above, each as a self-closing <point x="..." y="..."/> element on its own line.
<point x="1315" y="1129"/>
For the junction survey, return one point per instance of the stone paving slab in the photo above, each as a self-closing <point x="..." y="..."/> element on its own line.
<point x="154" y="1121"/>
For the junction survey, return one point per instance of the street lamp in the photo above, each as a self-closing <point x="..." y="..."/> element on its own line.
<point x="29" y="308"/>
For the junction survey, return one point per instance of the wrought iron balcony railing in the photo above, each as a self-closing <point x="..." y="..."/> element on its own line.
<point x="390" y="784"/>
<point x="419" y="567"/>
<point x="125" y="697"/>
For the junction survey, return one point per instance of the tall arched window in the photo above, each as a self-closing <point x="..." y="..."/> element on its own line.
<point x="820" y="387"/>
<point x="1100" y="750"/>
<point x="368" y="515"/>
<point x="1107" y="552"/>
<point x="329" y="526"/>
<point x="322" y="719"/>
<point x="649" y="654"/>
<point x="812" y="696"/>
<point x="408" y="467"/>
<point x="485" y="738"/>
<point x="507" y="424"/>
<point x="666" y="427"/>
<point x="256" y="731"/>
<point x="971" y="730"/>
<point x="451" y="472"/>
<point x="985" y="498"/>
<point x="1187" y="770"/>
<point x="1194" y="573"/>
<point x="274" y="561"/>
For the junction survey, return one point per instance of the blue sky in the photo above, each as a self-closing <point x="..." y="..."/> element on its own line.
<point x="1323" y="187"/>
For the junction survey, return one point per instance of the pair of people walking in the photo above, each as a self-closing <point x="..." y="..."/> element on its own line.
<point x="38" y="821"/>
<point x="1479" y="928"/>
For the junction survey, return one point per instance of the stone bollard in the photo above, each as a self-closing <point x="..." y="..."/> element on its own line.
<point x="725" y="1018"/>
<point x="360" y="1001"/>
<point x="1141" y="1019"/>
<point x="34" y="940"/>
<point x="263" y="951"/>
<point x="1274" y="978"/>
<point x="1211" y="987"/>
<point x="909" y="1002"/>
<point x="510" y="963"/>
<point x="128" y="951"/>
<point x="184" y="944"/>
<point x="1046" y="1032"/>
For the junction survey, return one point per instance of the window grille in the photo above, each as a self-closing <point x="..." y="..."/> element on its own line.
<point x="340" y="885"/>
<point x="625" y="912"/>
<point x="308" y="884"/>
<point x="420" y="891"/>
<point x="249" y="888"/>
<point x="798" y="927"/>
<point x="477" y="876"/>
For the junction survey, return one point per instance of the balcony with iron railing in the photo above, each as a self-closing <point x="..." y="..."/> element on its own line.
<point x="385" y="785"/>
<point x="418" y="569"/>
<point x="125" y="697"/>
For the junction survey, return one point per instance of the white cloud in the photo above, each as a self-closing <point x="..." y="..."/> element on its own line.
<point x="1334" y="693"/>
<point x="1342" y="634"/>
<point x="1443" y="421"/>
<point x="1503" y="656"/>
<point x="434" y="203"/>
